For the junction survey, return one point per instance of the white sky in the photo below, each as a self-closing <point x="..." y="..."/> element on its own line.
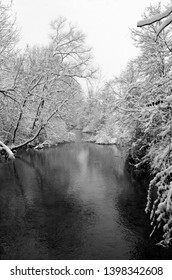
<point x="105" y="22"/>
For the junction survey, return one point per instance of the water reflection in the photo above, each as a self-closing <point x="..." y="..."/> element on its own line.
<point x="72" y="202"/>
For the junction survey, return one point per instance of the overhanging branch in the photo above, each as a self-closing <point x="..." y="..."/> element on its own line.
<point x="156" y="18"/>
<point x="29" y="140"/>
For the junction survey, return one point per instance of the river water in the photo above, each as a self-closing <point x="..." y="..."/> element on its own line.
<point x="75" y="201"/>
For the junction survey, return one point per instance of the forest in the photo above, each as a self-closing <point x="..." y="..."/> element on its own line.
<point x="42" y="100"/>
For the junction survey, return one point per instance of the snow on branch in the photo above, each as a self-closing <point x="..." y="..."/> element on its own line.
<point x="168" y="98"/>
<point x="156" y="18"/>
<point x="164" y="24"/>
<point x="7" y="149"/>
<point x="29" y="140"/>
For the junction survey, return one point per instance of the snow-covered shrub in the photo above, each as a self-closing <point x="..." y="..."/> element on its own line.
<point x="160" y="158"/>
<point x="151" y="149"/>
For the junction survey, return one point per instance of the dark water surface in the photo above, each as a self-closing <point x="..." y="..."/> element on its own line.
<point x="75" y="201"/>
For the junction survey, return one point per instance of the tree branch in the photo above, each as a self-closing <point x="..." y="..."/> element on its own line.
<point x="163" y="25"/>
<point x="29" y="140"/>
<point x="155" y="18"/>
<point x="5" y="93"/>
<point x="7" y="149"/>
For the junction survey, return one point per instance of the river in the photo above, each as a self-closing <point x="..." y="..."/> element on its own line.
<point x="75" y="201"/>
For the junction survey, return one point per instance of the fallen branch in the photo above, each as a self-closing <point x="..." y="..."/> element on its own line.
<point x="29" y="140"/>
<point x="7" y="150"/>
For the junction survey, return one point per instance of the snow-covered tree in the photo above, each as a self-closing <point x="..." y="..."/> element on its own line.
<point x="151" y="97"/>
<point x="41" y="85"/>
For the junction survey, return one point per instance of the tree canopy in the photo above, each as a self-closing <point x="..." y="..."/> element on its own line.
<point x="38" y="85"/>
